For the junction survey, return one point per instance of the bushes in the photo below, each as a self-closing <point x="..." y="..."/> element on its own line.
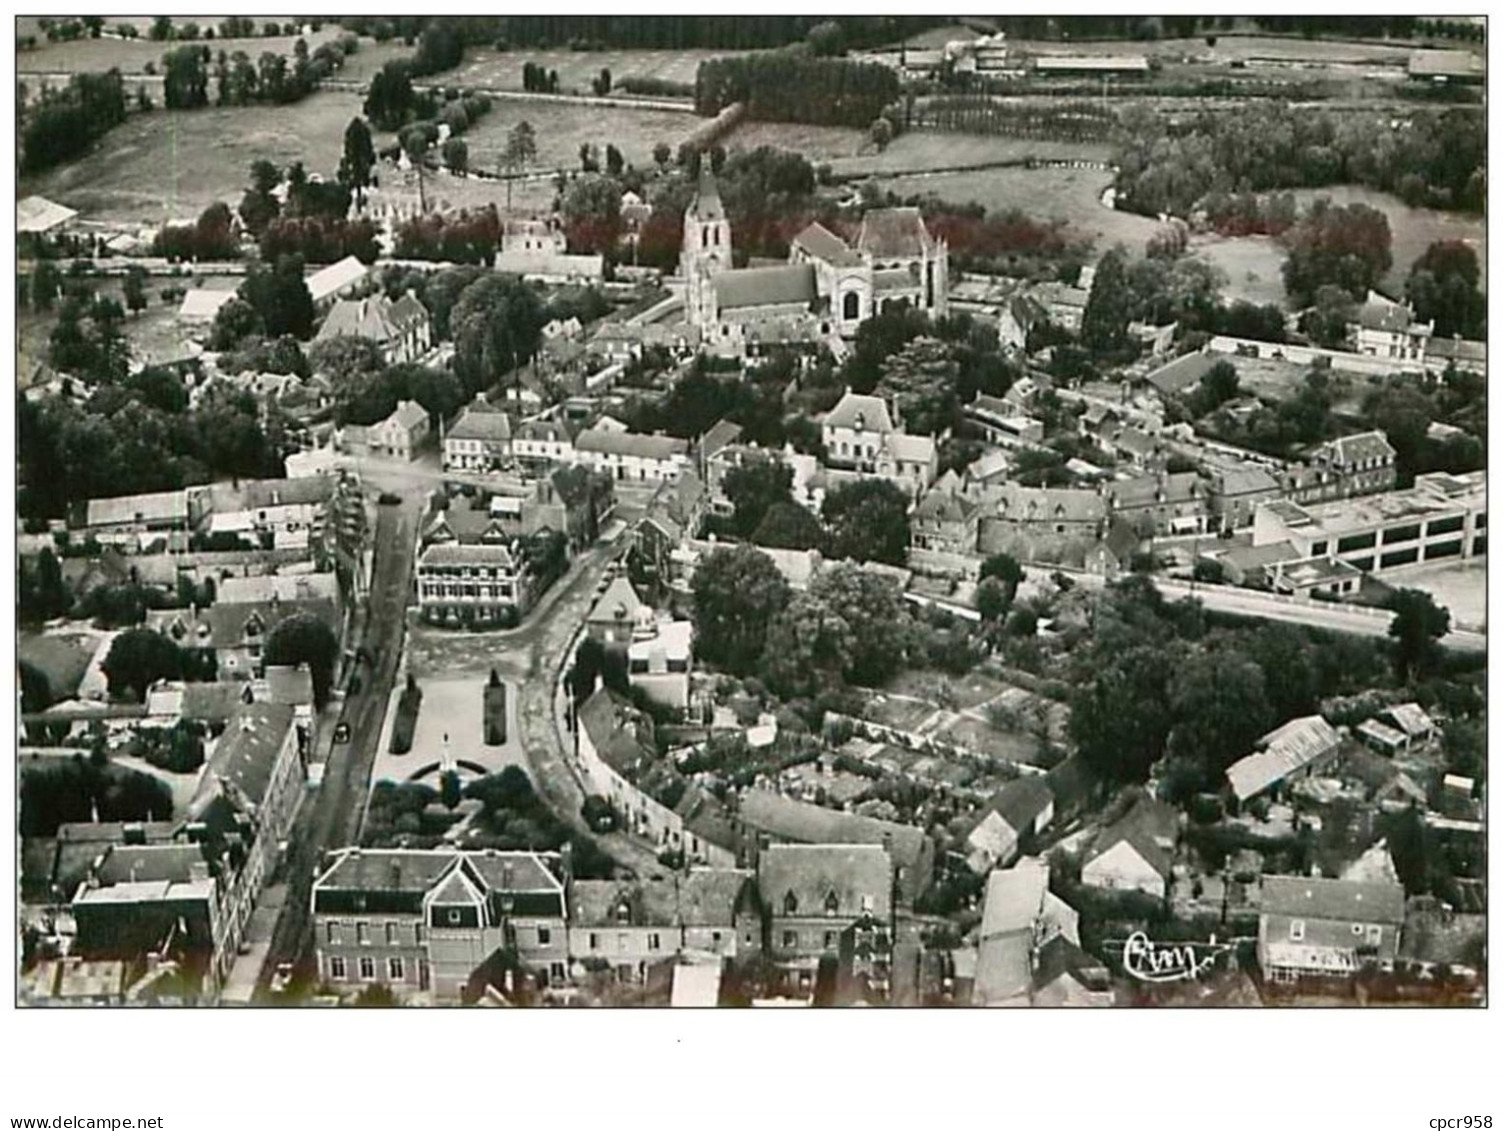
<point x="406" y="721"/>
<point x="650" y="86"/>
<point x="495" y="711"/>
<point x="54" y="791"/>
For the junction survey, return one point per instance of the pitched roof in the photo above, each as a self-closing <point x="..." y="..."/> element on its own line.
<point x="1014" y="898"/>
<point x="39" y="215"/>
<point x="910" y="449"/>
<point x="1151" y="827"/>
<point x="1060" y="956"/>
<point x="246" y="755"/>
<point x="1361" y="447"/>
<point x="765" y="286"/>
<point x="163" y="506"/>
<point x="1281" y="752"/>
<point x="706" y="204"/>
<point x="630" y="444"/>
<point x="1244" y="479"/>
<point x="943" y="503"/>
<point x="1342" y="900"/>
<point x="720" y="435"/>
<point x="646" y="903"/>
<point x="862" y="411"/>
<point x="894" y="233"/>
<point x="480" y="421"/>
<point x="1411" y="719"/>
<point x="455" y="554"/>
<point x="706" y="817"/>
<point x="284" y="586"/>
<point x="1388" y="317"/>
<point x="709" y="897"/>
<point x="813" y="824"/>
<point x="150" y="863"/>
<point x="407" y="416"/>
<point x="1151" y="490"/>
<point x="1020" y="801"/>
<point x="203" y="303"/>
<point x="859" y="876"/>
<point x="620" y="733"/>
<point x="824" y="244"/>
<point x="1184" y="372"/>
<point x="618" y="603"/>
<point x="1016" y="503"/>
<point x="545" y="431"/>
<point x="335" y="277"/>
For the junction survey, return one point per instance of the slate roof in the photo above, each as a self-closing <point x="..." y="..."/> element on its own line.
<point x="203" y="303"/>
<point x="1340" y="900"/>
<point x="455" y="554"/>
<point x="1166" y="489"/>
<point x="706" y="817"/>
<point x="1014" y="899"/>
<point x="408" y="415"/>
<point x="1411" y="719"/>
<point x="630" y="444"/>
<point x="860" y="410"/>
<point x="800" y="821"/>
<point x="894" y="233"/>
<point x="618" y="603"/>
<point x="707" y="204"/>
<point x="943" y="503"/>
<point x="824" y="244"/>
<point x="545" y="431"/>
<point x="284" y="586"/>
<point x="721" y="434"/>
<point x="1387" y="317"/>
<point x="481" y="421"/>
<point x="1361" y="447"/>
<point x="39" y="215"/>
<point x="1059" y="956"/>
<point x="765" y="286"/>
<point x="812" y="872"/>
<point x="1151" y="827"/>
<point x="648" y="903"/>
<point x="1020" y="802"/>
<point x="1248" y="479"/>
<point x="246" y="754"/>
<point x="1016" y="503"/>
<point x="621" y="734"/>
<point x="710" y="897"/>
<point x="163" y="506"/>
<point x="149" y="863"/>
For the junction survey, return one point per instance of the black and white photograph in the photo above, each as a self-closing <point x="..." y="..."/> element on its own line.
<point x="739" y="511"/>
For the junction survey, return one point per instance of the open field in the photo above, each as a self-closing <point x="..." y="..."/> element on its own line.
<point x="132" y="55"/>
<point x="1414" y="229"/>
<point x="1072" y="195"/>
<point x="561" y="129"/>
<point x="919" y="151"/>
<point x="834" y="144"/>
<point x="170" y="166"/>
<point x="502" y="70"/>
<point x="1252" y="265"/>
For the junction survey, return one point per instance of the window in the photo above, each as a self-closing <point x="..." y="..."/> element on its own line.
<point x="654" y="941"/>
<point x="1356" y="542"/>
<point x="1400" y="557"/>
<point x="714" y="938"/>
<point x="851" y="305"/>
<point x="453" y="915"/>
<point x="594" y="941"/>
<point x="391" y="934"/>
<point x="394" y="970"/>
<point x="1297" y="930"/>
<point x="866" y="903"/>
<point x="556" y="972"/>
<point x="332" y="930"/>
<point x="1319" y="548"/>
<point x="1374" y="935"/>
<point x="1407" y="533"/>
<point x="363" y="934"/>
<point x="545" y="936"/>
<point x="1444" y="525"/>
<point x="830" y="940"/>
<point x="623" y="940"/>
<point x="367" y="969"/>
<point x="790" y="904"/>
<point x="419" y="935"/>
<point x="832" y="904"/>
<point x="790" y="939"/>
<point x="336" y="968"/>
<point x="1443" y="550"/>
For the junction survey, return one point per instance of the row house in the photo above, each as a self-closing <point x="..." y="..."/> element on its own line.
<point x="1361" y="464"/>
<point x="1163" y="504"/>
<point x="189" y="900"/>
<point x="944" y="530"/>
<point x="229" y="636"/>
<point x="537" y="446"/>
<point x="1020" y="917"/>
<point x="1233" y="494"/>
<point x="631" y="457"/>
<point x="421" y="921"/>
<point x="615" y="750"/>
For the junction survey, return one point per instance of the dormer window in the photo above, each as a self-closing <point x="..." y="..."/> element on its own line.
<point x="832" y="904"/>
<point x="790" y="904"/>
<point x="623" y="912"/>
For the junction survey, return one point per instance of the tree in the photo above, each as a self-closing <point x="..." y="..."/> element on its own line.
<point x="450" y="792"/>
<point x="754" y="486"/>
<point x="135" y="288"/>
<point x="738" y="595"/>
<point x="521" y="151"/>
<point x="497" y="325"/>
<point x="359" y="158"/>
<point x="46" y="282"/>
<point x="1103" y="325"/>
<point x="280" y="297"/>
<point x="992" y="599"/>
<point x="185" y="83"/>
<point x="881" y="133"/>
<point x="258" y="207"/>
<point x="920" y="381"/>
<point x="456" y="155"/>
<point x="1120" y="721"/>
<point x="1442" y="287"/>
<point x="788" y="526"/>
<point x="614" y="161"/>
<point x="1220" y="709"/>
<point x="662" y="153"/>
<point x="1418" y="625"/>
<point x="1348" y="247"/>
<point x="589" y="662"/>
<point x="868" y="522"/>
<point x="304" y="639"/>
<point x="825" y="40"/>
<point x="850" y="627"/>
<point x="390" y="96"/>
<point x="1327" y="320"/>
<point x="592" y="213"/>
<point x="137" y="658"/>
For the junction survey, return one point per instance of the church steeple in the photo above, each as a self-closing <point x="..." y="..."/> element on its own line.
<point x="706" y="249"/>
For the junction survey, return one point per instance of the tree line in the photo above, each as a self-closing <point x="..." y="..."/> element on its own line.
<point x="792" y="85"/>
<point x="1434" y="158"/>
<point x="1081" y="120"/>
<point x="66" y="122"/>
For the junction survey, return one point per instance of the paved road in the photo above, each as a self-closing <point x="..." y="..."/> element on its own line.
<point x="333" y="819"/>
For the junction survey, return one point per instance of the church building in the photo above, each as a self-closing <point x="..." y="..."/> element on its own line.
<point x="826" y="289"/>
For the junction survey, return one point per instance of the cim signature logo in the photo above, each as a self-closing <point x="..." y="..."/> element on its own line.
<point x="1149" y="961"/>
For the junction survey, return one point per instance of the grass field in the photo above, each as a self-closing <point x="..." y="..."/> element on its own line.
<point x="1414" y="229"/>
<point x="819" y="144"/>
<point x="1461" y="588"/>
<point x="561" y="128"/>
<point x="1072" y="195"/>
<point x="165" y="166"/>
<point x="502" y="70"/>
<point x="132" y="55"/>
<point x="1252" y="265"/>
<point x="920" y="151"/>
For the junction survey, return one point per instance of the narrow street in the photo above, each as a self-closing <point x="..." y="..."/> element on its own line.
<point x="331" y="818"/>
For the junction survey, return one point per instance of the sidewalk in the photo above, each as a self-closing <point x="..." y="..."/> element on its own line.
<point x="240" y="986"/>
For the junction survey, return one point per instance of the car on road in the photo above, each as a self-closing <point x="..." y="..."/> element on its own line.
<point x="282" y="978"/>
<point x="342" y="732"/>
<point x="390" y="499"/>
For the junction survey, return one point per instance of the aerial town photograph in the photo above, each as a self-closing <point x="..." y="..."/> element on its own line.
<point x="751" y="511"/>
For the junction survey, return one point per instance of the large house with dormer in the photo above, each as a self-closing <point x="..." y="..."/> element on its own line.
<point x="826" y="289"/>
<point x="863" y="436"/>
<point x="480" y="440"/>
<point x="400" y="329"/>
